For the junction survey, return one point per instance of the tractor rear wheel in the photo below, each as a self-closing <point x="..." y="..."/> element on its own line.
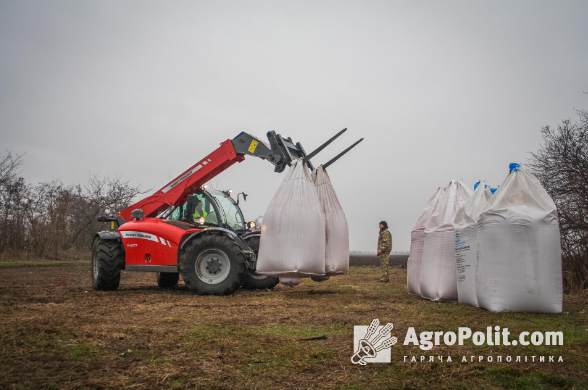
<point x="253" y="280"/>
<point x="167" y="279"/>
<point x="107" y="262"/>
<point x="212" y="265"/>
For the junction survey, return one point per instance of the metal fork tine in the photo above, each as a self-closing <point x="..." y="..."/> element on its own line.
<point x="340" y="154"/>
<point x="317" y="150"/>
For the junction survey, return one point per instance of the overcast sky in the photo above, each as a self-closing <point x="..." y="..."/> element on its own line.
<point x="440" y="90"/>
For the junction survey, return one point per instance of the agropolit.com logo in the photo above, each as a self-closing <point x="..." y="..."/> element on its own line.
<point x="372" y="343"/>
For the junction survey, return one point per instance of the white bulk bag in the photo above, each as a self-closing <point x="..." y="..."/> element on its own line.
<point x="337" y="230"/>
<point x="489" y="192"/>
<point x="417" y="240"/>
<point x="519" y="252"/>
<point x="292" y="241"/>
<point x="437" y="277"/>
<point x="466" y="243"/>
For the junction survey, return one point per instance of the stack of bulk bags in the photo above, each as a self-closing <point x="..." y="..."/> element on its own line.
<point x="337" y="230"/>
<point x="437" y="276"/>
<point x="466" y="247"/>
<point x="292" y="241"/>
<point x="417" y="241"/>
<point x="519" y="253"/>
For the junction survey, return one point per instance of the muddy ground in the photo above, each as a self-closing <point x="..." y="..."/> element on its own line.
<point x="56" y="332"/>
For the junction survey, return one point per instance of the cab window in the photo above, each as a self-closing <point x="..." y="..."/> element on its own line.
<point x="203" y="209"/>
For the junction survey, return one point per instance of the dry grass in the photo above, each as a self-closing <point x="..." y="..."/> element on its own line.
<point x="56" y="332"/>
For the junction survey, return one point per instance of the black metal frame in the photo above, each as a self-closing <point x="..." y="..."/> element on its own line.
<point x="282" y="151"/>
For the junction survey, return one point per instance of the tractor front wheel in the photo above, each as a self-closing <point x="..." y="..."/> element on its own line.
<point x="107" y="262"/>
<point x="212" y="265"/>
<point x="253" y="280"/>
<point x="167" y="279"/>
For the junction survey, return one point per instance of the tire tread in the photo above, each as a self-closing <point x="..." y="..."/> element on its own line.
<point x="211" y="241"/>
<point x="109" y="256"/>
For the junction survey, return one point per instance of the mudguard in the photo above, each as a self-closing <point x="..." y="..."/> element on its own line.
<point x="251" y="234"/>
<point x="108" y="235"/>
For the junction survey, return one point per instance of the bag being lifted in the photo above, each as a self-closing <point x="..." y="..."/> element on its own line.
<point x="466" y="247"/>
<point x="417" y="241"/>
<point x="438" y="280"/>
<point x="292" y="241"/>
<point x="337" y="230"/>
<point x="519" y="252"/>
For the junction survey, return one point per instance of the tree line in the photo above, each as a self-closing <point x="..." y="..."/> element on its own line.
<point x="561" y="164"/>
<point x="52" y="220"/>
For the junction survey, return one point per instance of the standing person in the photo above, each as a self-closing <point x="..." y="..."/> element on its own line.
<point x="384" y="249"/>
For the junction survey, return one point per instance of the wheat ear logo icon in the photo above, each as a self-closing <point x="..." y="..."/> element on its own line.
<point x="369" y="349"/>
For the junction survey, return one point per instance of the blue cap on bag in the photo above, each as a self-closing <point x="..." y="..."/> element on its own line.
<point x="514" y="167"/>
<point x="478" y="183"/>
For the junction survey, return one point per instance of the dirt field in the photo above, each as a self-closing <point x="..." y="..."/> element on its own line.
<point x="56" y="332"/>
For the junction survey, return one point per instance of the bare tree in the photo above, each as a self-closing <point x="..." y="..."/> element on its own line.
<point x="9" y="168"/>
<point x="51" y="218"/>
<point x="100" y="196"/>
<point x="11" y="191"/>
<point x="561" y="164"/>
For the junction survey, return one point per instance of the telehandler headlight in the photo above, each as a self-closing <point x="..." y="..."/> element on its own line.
<point x="251" y="225"/>
<point x="201" y="220"/>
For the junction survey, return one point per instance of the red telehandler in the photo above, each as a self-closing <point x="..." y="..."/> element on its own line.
<point x="185" y="228"/>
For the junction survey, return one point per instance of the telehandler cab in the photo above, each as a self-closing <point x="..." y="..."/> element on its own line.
<point x="185" y="228"/>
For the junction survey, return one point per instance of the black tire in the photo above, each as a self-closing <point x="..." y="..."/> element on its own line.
<point x="167" y="279"/>
<point x="212" y="265"/>
<point x="253" y="280"/>
<point x="107" y="262"/>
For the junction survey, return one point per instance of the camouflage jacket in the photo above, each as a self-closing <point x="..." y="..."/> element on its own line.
<point x="385" y="241"/>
